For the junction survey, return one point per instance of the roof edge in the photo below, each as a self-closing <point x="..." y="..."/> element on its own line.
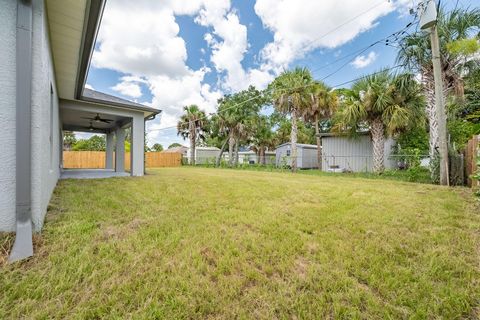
<point x="132" y="106"/>
<point x="93" y="18"/>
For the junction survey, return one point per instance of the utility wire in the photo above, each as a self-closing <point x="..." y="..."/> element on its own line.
<point x="395" y="34"/>
<point x="307" y="85"/>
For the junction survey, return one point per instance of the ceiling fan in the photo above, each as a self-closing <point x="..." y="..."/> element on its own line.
<point x="97" y="118"/>
<point x="91" y="127"/>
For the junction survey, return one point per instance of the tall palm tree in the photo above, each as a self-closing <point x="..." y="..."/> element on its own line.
<point x="290" y="96"/>
<point x="323" y="104"/>
<point x="415" y="52"/>
<point x="192" y="125"/>
<point x="386" y="104"/>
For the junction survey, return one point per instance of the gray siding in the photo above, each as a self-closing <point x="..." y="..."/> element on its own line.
<point x="45" y="118"/>
<point x="309" y="158"/>
<point x="8" y="11"/>
<point x="306" y="156"/>
<point x="352" y="154"/>
<point x="204" y="156"/>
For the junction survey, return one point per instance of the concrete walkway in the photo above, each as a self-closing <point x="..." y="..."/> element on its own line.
<point x="91" y="174"/>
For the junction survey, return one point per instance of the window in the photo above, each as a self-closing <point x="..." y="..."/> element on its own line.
<point x="288" y="153"/>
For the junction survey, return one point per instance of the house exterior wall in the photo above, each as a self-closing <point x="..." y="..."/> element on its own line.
<point x="45" y="118"/>
<point x="352" y="154"/>
<point x="8" y="12"/>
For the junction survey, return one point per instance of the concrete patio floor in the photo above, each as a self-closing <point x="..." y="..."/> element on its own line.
<point x="91" y="174"/>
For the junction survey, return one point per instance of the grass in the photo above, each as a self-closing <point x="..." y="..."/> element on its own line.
<point x="186" y="243"/>
<point x="420" y="175"/>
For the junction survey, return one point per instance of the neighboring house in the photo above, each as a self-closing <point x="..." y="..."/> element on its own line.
<point x="250" y="157"/>
<point x="44" y="60"/>
<point x="343" y="153"/>
<point x="204" y="155"/>
<point x="182" y="149"/>
<point x="306" y="155"/>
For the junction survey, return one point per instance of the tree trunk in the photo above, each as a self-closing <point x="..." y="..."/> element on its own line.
<point x="319" y="144"/>
<point x="263" y="161"/>
<point x="192" y="150"/>
<point x="293" y="137"/>
<point x="429" y="91"/>
<point x="231" y="145"/>
<point x="192" y="143"/>
<point x="236" y="154"/>
<point x="222" y="150"/>
<point x="378" y="140"/>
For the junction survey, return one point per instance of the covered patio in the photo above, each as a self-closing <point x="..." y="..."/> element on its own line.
<point x="91" y="174"/>
<point x="105" y="114"/>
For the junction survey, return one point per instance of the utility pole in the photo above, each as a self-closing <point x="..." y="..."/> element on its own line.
<point x="428" y="21"/>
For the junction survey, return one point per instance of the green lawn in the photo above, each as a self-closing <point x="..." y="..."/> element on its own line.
<point x="222" y="244"/>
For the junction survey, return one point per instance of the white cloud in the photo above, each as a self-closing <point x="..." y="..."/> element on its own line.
<point x="364" y="61"/>
<point x="89" y="86"/>
<point x="141" y="39"/>
<point x="229" y="43"/>
<point x="300" y="26"/>
<point x="149" y="50"/>
<point x="127" y="88"/>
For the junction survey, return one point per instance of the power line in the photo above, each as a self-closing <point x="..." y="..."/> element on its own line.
<point x="310" y="84"/>
<point x="395" y="34"/>
<point x="355" y="53"/>
<point x="311" y="42"/>
<point x="386" y="41"/>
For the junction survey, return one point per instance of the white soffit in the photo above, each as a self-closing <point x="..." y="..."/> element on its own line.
<point x="66" y="21"/>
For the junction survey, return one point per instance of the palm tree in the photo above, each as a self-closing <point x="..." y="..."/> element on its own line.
<point x="415" y="53"/>
<point x="323" y="104"/>
<point x="290" y="96"/>
<point x="386" y="104"/>
<point x="235" y="114"/>
<point x="262" y="138"/>
<point x="191" y="125"/>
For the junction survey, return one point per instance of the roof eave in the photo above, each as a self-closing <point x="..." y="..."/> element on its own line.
<point x="93" y="15"/>
<point x="146" y="110"/>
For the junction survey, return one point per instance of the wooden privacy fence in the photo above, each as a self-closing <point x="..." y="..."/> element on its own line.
<point x="471" y="156"/>
<point x="96" y="159"/>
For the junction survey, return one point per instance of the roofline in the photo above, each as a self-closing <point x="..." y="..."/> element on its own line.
<point x="152" y="111"/>
<point x="303" y="145"/>
<point x="93" y="14"/>
<point x="341" y="134"/>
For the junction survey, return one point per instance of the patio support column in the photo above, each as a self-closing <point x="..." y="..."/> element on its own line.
<point x="137" y="147"/>
<point x="120" y="150"/>
<point x="109" y="151"/>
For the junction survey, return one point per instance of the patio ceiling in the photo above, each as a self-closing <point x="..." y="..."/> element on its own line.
<point x="74" y="120"/>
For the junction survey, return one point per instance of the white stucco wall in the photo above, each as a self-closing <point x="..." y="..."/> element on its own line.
<point x="45" y="154"/>
<point x="8" y="12"/>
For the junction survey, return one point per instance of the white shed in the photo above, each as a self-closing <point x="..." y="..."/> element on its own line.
<point x="250" y="157"/>
<point x="306" y="155"/>
<point x="342" y="153"/>
<point x="204" y="155"/>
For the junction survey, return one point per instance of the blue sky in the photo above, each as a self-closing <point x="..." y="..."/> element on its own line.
<point x="168" y="54"/>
